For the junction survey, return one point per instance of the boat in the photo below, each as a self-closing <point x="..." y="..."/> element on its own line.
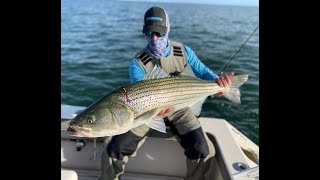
<point x="236" y="156"/>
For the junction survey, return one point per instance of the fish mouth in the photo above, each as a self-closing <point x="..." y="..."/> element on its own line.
<point x="78" y="131"/>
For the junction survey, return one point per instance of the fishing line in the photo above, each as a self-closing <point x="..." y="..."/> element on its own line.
<point x="232" y="57"/>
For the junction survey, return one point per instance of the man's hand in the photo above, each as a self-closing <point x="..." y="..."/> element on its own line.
<point x="224" y="81"/>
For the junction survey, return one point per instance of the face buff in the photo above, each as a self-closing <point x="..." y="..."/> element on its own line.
<point x="160" y="46"/>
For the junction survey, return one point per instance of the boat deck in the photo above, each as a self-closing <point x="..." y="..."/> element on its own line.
<point x="94" y="175"/>
<point x="161" y="157"/>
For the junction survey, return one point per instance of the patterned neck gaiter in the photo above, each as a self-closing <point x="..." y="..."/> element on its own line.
<point x="159" y="47"/>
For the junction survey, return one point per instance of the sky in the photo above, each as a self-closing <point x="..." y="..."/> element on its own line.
<point x="222" y="2"/>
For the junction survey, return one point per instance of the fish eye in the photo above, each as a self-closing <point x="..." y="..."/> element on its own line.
<point x="90" y="120"/>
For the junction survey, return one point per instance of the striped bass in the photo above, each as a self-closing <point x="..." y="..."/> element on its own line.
<point x="139" y="103"/>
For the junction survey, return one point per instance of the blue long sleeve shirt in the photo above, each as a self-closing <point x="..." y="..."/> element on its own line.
<point x="137" y="73"/>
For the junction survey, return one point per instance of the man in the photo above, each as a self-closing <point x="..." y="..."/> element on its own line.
<point x="172" y="57"/>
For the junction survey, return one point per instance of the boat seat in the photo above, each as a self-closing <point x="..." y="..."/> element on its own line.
<point x="68" y="175"/>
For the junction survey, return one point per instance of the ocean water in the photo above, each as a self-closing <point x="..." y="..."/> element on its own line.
<point x="100" y="37"/>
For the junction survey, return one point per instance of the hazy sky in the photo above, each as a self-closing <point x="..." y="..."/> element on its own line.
<point x="225" y="2"/>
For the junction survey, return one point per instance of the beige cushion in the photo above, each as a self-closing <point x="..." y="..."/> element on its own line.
<point x="68" y="175"/>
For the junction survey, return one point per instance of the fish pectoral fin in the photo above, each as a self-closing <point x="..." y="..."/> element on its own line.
<point x="154" y="119"/>
<point x="157" y="123"/>
<point x="143" y="118"/>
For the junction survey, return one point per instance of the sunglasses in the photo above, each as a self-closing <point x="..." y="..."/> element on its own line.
<point x="150" y="34"/>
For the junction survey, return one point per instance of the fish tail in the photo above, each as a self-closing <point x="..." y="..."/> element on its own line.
<point x="232" y="92"/>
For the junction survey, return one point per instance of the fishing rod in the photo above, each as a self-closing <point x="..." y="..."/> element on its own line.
<point x="231" y="59"/>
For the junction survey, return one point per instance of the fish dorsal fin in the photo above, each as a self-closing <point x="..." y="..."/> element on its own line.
<point x="157" y="123"/>
<point x="187" y="71"/>
<point x="156" y="73"/>
<point x="197" y="107"/>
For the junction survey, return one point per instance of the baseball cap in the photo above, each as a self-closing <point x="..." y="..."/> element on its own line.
<point x="155" y="20"/>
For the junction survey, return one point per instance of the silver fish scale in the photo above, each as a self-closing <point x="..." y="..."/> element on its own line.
<point x="149" y="94"/>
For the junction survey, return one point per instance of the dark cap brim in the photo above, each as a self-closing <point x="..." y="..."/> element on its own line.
<point x="155" y="28"/>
